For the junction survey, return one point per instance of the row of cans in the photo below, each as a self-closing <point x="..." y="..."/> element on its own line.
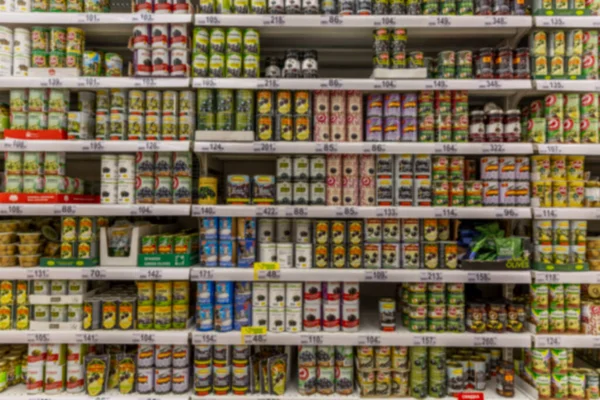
<point x="119" y="126"/>
<point x="226" y="41"/>
<point x="226" y="109"/>
<point x="145" y="103"/>
<point x="160" y="36"/>
<point x="560" y="232"/>
<point x="161" y="63"/>
<point x="223" y="306"/>
<point x="557" y="53"/>
<point x="558" y="193"/>
<point x="240" y="253"/>
<point x="496" y="126"/>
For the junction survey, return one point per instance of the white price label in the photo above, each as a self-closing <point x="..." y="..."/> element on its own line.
<point x="264" y="147"/>
<point x="203" y="274"/>
<point x="88" y="82"/>
<point x="479" y="277"/>
<point x="557" y="21"/>
<point x="57" y="299"/>
<point x="334" y="84"/>
<point x="547" y="277"/>
<point x="145" y="82"/>
<point x="556" y="85"/>
<point x="550" y="149"/>
<point x="445" y="148"/>
<point x="332" y="20"/>
<point x="144" y="338"/>
<point x="267" y="211"/>
<point x="205" y="338"/>
<point x="254" y="339"/>
<point x="269" y="84"/>
<point x="485" y="341"/>
<point x="387" y="212"/>
<point x="296" y="212"/>
<point x="431" y="276"/>
<point x="346" y="212"/>
<point x="38" y="338"/>
<point x="212" y="20"/>
<point x="94" y="273"/>
<point x="312" y="340"/>
<point x="493" y="148"/>
<point x="142" y="211"/>
<point x="214" y="147"/>
<point x="92" y="146"/>
<point x="546" y="213"/>
<point x="495" y="21"/>
<point x="369" y="340"/>
<point x="491" y="84"/>
<point x="205" y="211"/>
<point x="385" y="21"/>
<point x="208" y="83"/>
<point x="143" y="17"/>
<point x="87" y="338"/>
<point x="269" y="275"/>
<point x="440" y="21"/>
<point x="14" y="209"/>
<point x="596" y="342"/>
<point x="424" y="340"/>
<point x="445" y="212"/>
<point x="65" y="209"/>
<point x="53" y="83"/>
<point x="374" y="148"/>
<point x="387" y="84"/>
<point x="329" y="148"/>
<point x="548" y="341"/>
<point x="38" y="273"/>
<point x="507" y="213"/>
<point x="16" y="144"/>
<point x="149" y="145"/>
<point x="274" y="20"/>
<point x="376" y="275"/>
<point x="149" y="273"/>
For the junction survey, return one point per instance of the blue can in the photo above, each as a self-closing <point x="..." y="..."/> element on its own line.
<point x="243" y="288"/>
<point x="223" y="317"/>
<point x="226" y="228"/>
<point x="209" y="228"/>
<point x="246" y="228"/>
<point x="227" y="253"/>
<point x="204" y="318"/>
<point x="246" y="255"/>
<point x="205" y="293"/>
<point x="209" y="253"/>
<point x="242" y="313"/>
<point x="224" y="292"/>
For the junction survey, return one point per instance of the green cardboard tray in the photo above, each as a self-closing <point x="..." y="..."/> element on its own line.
<point x="69" y="262"/>
<point x="538" y="266"/>
<point x="168" y="260"/>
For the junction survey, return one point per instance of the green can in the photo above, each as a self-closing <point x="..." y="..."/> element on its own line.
<point x="40" y="6"/>
<point x="437" y="361"/>
<point x="145" y="316"/>
<point x="150" y="244"/>
<point x="244" y="121"/>
<point x="163" y="317"/>
<point x="201" y="40"/>
<point x="57" y="59"/>
<point x="166" y="244"/>
<point x="200" y="64"/>
<point x="416" y="59"/>
<point x="225" y="101"/>
<point x="244" y="101"/>
<point x="92" y="63"/>
<point x="233" y="41"/>
<point x="180" y="316"/>
<point x="445" y="72"/>
<point x="217" y="42"/>
<point x="216" y="65"/>
<point x="58" y="39"/>
<point x="434" y="298"/>
<point x="144" y="190"/>
<point x="446" y="58"/>
<point x="417" y="325"/>
<point x="251" y="42"/>
<point x="40" y="59"/>
<point x="251" y="67"/>
<point x="431" y="7"/>
<point x="206" y="100"/>
<point x="58" y="6"/>
<point x="223" y="7"/>
<point x="455" y="325"/>
<point x="426" y="135"/>
<point x="225" y="121"/>
<point x="448" y="7"/>
<point x="206" y="121"/>
<point x="465" y="8"/>
<point x="75" y="6"/>
<point x="73" y="60"/>
<point x="233" y="65"/>
<point x="436" y="325"/>
<point x="40" y="38"/>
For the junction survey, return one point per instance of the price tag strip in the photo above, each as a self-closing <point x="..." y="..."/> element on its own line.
<point x="254" y="335"/>
<point x="267" y="271"/>
<point x="204" y="338"/>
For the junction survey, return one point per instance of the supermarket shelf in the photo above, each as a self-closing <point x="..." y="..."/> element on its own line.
<point x="568" y="341"/>
<point x="366" y="275"/>
<point x="490" y="87"/>
<point x="362" y="212"/>
<point x="362" y="148"/>
<point x="567" y="22"/>
<point x="98" y="336"/>
<point x="20" y="392"/>
<point x="94" y="146"/>
<point x="566" y="277"/>
<point x="568" y="85"/>
<point x="93" y="83"/>
<point x="566" y="213"/>
<point x="446" y="23"/>
<point x="97" y="273"/>
<point x="569" y="149"/>
<point x="94" y="18"/>
<point x="368" y="336"/>
<point x="137" y="210"/>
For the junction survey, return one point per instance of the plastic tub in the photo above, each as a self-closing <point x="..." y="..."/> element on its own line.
<point x="9" y="225"/>
<point x="8" y="249"/>
<point x="30" y="261"/>
<point x="8" y="261"/>
<point x="29" y="249"/>
<point x="29" y="237"/>
<point x="7" y="237"/>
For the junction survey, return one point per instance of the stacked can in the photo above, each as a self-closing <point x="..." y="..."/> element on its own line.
<point x="557" y="181"/>
<point x="558" y="308"/>
<point x="288" y="244"/>
<point x="292" y="115"/>
<point x="46" y="368"/>
<point x="433" y="307"/>
<point x="437" y="372"/>
<point x="560" y="242"/>
<point x="505" y="181"/>
<point x="118" y="187"/>
<point x="277" y="306"/>
<point x="221" y="368"/>
<point x="337" y="116"/>
<point x="573" y="53"/>
<point x="332" y="365"/>
<point x="418" y="372"/>
<point x="337" y="244"/>
<point x="301" y="180"/>
<point x="227" y="242"/>
<point x="223" y="306"/>
<point x="231" y="53"/>
<point x="389" y="46"/>
<point x="15" y="51"/>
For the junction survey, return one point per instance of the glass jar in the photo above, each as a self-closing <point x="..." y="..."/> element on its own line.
<point x="3" y="375"/>
<point x="512" y="126"/>
<point x="494" y="129"/>
<point x="477" y="126"/>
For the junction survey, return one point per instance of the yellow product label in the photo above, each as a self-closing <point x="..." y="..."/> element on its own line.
<point x="264" y="266"/>
<point x="181" y="291"/>
<point x="5" y="317"/>
<point x="284" y="102"/>
<point x="252" y="331"/>
<point x="69" y="229"/>
<point x="559" y="193"/>
<point x="109" y="314"/>
<point x="576" y="193"/>
<point x="22" y="317"/>
<point x="125" y="315"/>
<point x="6" y="292"/>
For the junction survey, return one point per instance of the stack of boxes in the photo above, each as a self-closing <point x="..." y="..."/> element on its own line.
<point x="338" y="116"/>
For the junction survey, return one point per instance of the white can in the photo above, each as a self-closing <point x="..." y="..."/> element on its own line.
<point x="260" y="294"/>
<point x="126" y="167"/>
<point x="74" y="378"/>
<point x="6" y="64"/>
<point x="293" y="320"/>
<point x="109" y="167"/>
<point x="6" y="40"/>
<point x="331" y="318"/>
<point x="285" y="255"/>
<point x="180" y="62"/>
<point x="266" y="230"/>
<point x="36" y="354"/>
<point x="21" y="65"/>
<point x="293" y="295"/>
<point x="303" y="255"/>
<point x="35" y="378"/>
<point x="506" y="166"/>
<point x="489" y="168"/>
<point x="312" y="318"/>
<point x="74" y="353"/>
<point x="126" y="192"/>
<point x="303" y="231"/>
<point x="276" y="295"/>
<point x="284" y="230"/>
<point x="350" y="317"/>
<point x="54" y="379"/>
<point x="108" y="192"/>
<point x="331" y="293"/>
<point x="58" y="313"/>
<point x="350" y="292"/>
<point x="267" y="252"/>
<point x="23" y="6"/>
<point x="318" y="193"/>
<point x="22" y="42"/>
<point x="7" y="6"/>
<point x="276" y="320"/>
<point x="260" y="316"/>
<point x="75" y="312"/>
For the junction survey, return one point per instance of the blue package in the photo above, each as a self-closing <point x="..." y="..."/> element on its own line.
<point x="247" y="228"/>
<point x="204" y="318"/>
<point x="243" y="313"/>
<point x="227" y="253"/>
<point x="224" y="292"/>
<point x="246" y="255"/>
<point x="209" y="228"/>
<point x="226" y="228"/>
<point x="243" y="288"/>
<point x="205" y="292"/>
<point x="223" y="317"/>
<point x="209" y="253"/>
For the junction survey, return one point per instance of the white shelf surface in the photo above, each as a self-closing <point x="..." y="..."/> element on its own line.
<point x="93" y="83"/>
<point x="371" y="336"/>
<point x="20" y="392"/>
<point x="97" y="336"/>
<point x="568" y="22"/>
<point x="94" y="146"/>
<point x="366" y="275"/>
<point x="569" y="149"/>
<point x="548" y="341"/>
<point x="371" y="21"/>
<point x="566" y="213"/>
<point x="362" y="148"/>
<point x="92" y="18"/>
<point x="491" y="85"/>
<point x="97" y="273"/>
<point x="568" y="85"/>
<point x="137" y="210"/>
<point x="566" y="277"/>
<point x="362" y="212"/>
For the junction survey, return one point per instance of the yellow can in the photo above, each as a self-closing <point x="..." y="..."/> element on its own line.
<point x="540" y="168"/>
<point x="145" y="292"/>
<point x="181" y="290"/>
<point x="6" y="313"/>
<point x="163" y="293"/>
<point x="542" y="192"/>
<point x="575" y="166"/>
<point x="558" y="167"/>
<point x="207" y="190"/>
<point x="576" y="193"/>
<point x="559" y="193"/>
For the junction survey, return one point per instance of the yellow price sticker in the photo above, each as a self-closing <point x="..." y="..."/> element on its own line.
<point x="267" y="271"/>
<point x="254" y="335"/>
